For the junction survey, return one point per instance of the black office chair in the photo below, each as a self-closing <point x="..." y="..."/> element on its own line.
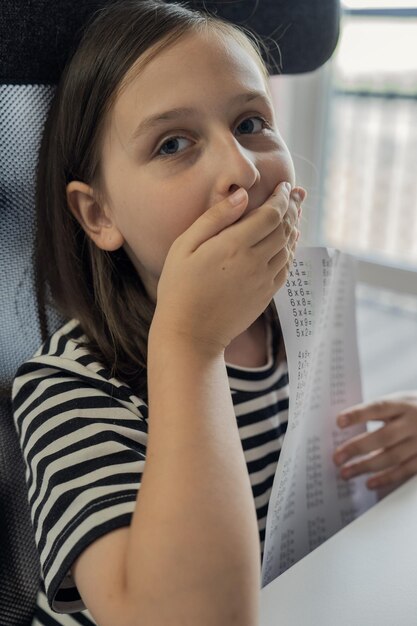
<point x="35" y="41"/>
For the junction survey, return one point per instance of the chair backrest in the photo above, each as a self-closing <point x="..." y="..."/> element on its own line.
<point x="23" y="109"/>
<point x="35" y="40"/>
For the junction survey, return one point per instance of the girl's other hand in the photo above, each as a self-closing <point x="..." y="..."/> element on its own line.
<point x="393" y="447"/>
<point x="222" y="272"/>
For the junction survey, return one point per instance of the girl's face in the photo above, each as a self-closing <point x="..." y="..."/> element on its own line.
<point x="160" y="176"/>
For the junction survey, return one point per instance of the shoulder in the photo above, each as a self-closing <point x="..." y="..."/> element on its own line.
<point x="63" y="363"/>
<point x="64" y="378"/>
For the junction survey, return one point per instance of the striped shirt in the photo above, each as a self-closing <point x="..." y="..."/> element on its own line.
<point x="83" y="436"/>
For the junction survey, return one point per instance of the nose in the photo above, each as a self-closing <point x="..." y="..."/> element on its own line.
<point x="236" y="167"/>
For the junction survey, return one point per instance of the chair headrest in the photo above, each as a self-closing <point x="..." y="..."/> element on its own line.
<point x="36" y="37"/>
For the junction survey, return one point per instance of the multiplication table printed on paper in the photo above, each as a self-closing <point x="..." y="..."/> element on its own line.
<point x="309" y="502"/>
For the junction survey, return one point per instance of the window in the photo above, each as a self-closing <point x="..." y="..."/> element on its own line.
<point x="369" y="176"/>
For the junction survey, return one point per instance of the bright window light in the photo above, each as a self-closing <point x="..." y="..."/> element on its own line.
<point x="369" y="201"/>
<point x="371" y="47"/>
<point x="379" y="4"/>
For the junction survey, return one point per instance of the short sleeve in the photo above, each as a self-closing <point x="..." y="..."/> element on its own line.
<point x="84" y="446"/>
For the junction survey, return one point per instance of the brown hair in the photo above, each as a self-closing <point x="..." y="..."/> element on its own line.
<point x="101" y="289"/>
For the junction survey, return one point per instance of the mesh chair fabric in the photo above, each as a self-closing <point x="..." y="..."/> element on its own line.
<point x="23" y="110"/>
<point x="19" y="562"/>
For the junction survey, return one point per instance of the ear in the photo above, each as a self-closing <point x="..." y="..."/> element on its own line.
<point x="92" y="217"/>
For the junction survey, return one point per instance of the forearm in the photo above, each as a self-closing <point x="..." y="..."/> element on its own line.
<point x="193" y="552"/>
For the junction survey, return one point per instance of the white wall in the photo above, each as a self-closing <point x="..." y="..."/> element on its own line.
<point x="301" y="103"/>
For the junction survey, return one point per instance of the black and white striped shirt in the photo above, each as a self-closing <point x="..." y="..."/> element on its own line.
<point x="83" y="436"/>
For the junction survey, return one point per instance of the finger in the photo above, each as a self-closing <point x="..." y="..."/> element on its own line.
<point x="288" y="222"/>
<point x="394" y="476"/>
<point x="279" y="199"/>
<point x="292" y="242"/>
<point x="389" y="435"/>
<point x="268" y="247"/>
<point x="291" y="217"/>
<point x="291" y="245"/>
<point x="280" y="280"/>
<point x="277" y="265"/>
<point x="260" y="222"/>
<point x="298" y="195"/>
<point x="381" y="410"/>
<point x="382" y="459"/>
<point x="215" y="219"/>
<point x="279" y="260"/>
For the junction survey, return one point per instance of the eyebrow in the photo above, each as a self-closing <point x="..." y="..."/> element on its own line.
<point x="155" y="120"/>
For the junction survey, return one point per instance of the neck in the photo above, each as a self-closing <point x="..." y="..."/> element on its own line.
<point x="249" y="349"/>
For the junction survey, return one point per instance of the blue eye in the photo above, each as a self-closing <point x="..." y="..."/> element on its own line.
<point x="171" y="143"/>
<point x="248" y="119"/>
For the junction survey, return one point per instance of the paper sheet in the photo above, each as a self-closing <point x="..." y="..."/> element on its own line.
<point x="309" y="502"/>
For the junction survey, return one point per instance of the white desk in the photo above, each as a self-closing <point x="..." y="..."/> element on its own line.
<point x="365" y="575"/>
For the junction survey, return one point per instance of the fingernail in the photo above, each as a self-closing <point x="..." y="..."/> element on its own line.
<point x="296" y="197"/>
<point x="237" y="197"/>
<point x="287" y="186"/>
<point x="301" y="193"/>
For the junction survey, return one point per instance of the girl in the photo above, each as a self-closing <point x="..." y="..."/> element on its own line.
<point x="151" y="422"/>
<point x="169" y="378"/>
